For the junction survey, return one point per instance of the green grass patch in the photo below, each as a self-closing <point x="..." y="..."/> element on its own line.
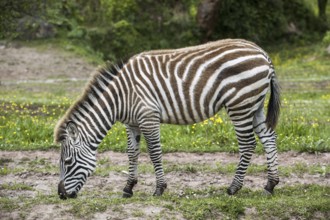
<point x="4" y="161"/>
<point x="303" y="202"/>
<point x="306" y="63"/>
<point x="16" y="186"/>
<point x="8" y="204"/>
<point x="27" y="126"/>
<point x="6" y="170"/>
<point x="26" y="165"/>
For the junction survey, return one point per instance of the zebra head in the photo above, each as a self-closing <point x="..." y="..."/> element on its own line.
<point x="77" y="160"/>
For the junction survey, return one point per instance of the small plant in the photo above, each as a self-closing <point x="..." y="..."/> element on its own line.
<point x="16" y="186"/>
<point x="326" y="39"/>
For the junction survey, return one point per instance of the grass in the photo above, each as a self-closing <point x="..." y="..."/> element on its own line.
<point x="16" y="186"/>
<point x="29" y="125"/>
<point x="305" y="120"/>
<point x="305" y="201"/>
<point x="302" y="202"/>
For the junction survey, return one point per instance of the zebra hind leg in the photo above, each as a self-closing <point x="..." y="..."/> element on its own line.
<point x="133" y="151"/>
<point x="247" y="144"/>
<point x="267" y="137"/>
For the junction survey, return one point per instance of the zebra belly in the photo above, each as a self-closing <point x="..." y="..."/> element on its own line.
<point x="170" y="116"/>
<point x="167" y="120"/>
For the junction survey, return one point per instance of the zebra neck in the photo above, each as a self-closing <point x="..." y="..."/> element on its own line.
<point x="95" y="116"/>
<point x="91" y="132"/>
<point x="102" y="104"/>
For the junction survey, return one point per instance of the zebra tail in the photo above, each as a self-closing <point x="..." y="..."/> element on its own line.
<point x="274" y="104"/>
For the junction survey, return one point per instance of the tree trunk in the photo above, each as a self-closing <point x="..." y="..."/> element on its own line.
<point x="207" y="17"/>
<point x="322" y="4"/>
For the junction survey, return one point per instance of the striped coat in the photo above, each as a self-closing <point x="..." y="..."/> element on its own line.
<point x="179" y="86"/>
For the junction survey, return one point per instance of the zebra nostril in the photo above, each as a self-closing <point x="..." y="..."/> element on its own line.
<point x="61" y="190"/>
<point x="63" y="197"/>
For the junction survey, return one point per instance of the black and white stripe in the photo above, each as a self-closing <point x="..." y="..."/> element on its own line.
<point x="180" y="86"/>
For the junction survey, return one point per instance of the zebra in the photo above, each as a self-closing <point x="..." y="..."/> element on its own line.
<point x="173" y="86"/>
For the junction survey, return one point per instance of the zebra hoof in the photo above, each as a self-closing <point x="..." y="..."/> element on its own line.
<point x="267" y="193"/>
<point x="127" y="195"/>
<point x="160" y="190"/>
<point x="269" y="188"/>
<point x="127" y="192"/>
<point x="232" y="190"/>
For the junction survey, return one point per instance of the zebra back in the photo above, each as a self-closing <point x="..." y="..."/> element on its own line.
<point x="191" y="84"/>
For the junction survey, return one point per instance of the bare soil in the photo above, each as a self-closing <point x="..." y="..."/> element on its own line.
<point x="177" y="180"/>
<point x="20" y="64"/>
<point x="45" y="182"/>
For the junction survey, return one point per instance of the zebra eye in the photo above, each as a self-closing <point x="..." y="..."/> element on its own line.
<point x="68" y="161"/>
<point x="72" y="130"/>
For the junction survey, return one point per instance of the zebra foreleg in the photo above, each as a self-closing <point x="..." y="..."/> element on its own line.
<point x="247" y="144"/>
<point x="151" y="132"/>
<point x="268" y="139"/>
<point x="133" y="151"/>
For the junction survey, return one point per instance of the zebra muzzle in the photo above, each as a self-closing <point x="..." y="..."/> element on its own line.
<point x="63" y="194"/>
<point x="61" y="190"/>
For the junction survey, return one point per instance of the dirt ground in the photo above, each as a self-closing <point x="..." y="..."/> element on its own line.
<point x="177" y="180"/>
<point x="45" y="182"/>
<point x="19" y="64"/>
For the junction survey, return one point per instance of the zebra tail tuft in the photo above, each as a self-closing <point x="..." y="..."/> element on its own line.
<point x="274" y="104"/>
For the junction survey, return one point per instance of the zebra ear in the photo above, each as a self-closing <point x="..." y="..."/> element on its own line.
<point x="72" y="130"/>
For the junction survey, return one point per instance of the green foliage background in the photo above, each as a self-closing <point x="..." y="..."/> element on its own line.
<point x="265" y="20"/>
<point x="115" y="29"/>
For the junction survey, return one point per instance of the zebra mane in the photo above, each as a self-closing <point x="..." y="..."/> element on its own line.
<point x="109" y="70"/>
